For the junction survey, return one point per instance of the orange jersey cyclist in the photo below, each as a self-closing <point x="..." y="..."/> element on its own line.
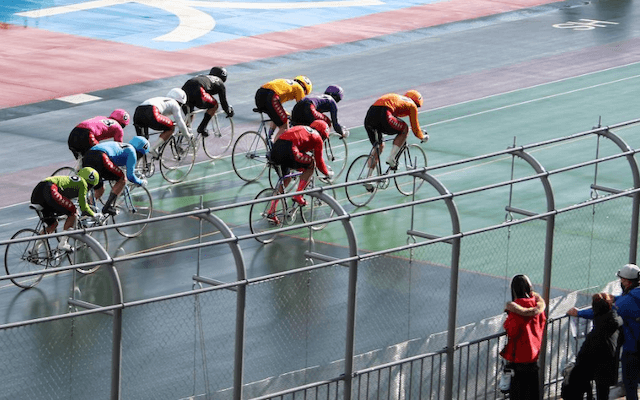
<point x="200" y="91"/>
<point x="384" y="117"/>
<point x="92" y="131"/>
<point x="292" y="150"/>
<point x="271" y="95"/>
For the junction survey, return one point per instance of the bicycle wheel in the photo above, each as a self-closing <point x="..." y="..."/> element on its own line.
<point x="317" y="210"/>
<point x="64" y="171"/>
<point x="249" y="156"/>
<point x="361" y="194"/>
<point x="220" y="137"/>
<point x="83" y="253"/>
<point x="145" y="167"/>
<point x="336" y="154"/>
<point x="412" y="158"/>
<point x="133" y="204"/>
<point x="26" y="257"/>
<point x="176" y="158"/>
<point x="258" y="216"/>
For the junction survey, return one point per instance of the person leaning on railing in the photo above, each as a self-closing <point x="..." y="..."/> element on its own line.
<point x="627" y="305"/>
<point x="525" y="327"/>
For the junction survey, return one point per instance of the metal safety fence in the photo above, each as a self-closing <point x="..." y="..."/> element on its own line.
<point x="417" y="316"/>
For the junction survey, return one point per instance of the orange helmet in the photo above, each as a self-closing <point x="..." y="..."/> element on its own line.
<point x="415" y="96"/>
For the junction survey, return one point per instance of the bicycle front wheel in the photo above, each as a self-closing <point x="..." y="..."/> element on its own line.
<point x="133" y="204"/>
<point x="249" y="156"/>
<point x="266" y="216"/>
<point x="176" y="158"/>
<point x="412" y="158"/>
<point x="336" y="154"/>
<point x="220" y="136"/>
<point x="84" y="254"/>
<point x="64" y="171"/>
<point x="27" y="256"/>
<point x="361" y="194"/>
<point x="317" y="210"/>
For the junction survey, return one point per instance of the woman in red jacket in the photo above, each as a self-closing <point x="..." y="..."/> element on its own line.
<point x="524" y="335"/>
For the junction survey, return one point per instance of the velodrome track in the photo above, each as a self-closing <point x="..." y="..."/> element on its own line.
<point x="486" y="78"/>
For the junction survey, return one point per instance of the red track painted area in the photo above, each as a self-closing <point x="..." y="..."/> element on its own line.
<point x="38" y="65"/>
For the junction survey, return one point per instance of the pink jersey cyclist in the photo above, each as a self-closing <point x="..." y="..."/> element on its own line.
<point x="92" y="131"/>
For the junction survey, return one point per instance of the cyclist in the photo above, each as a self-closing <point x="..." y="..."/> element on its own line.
<point x="271" y="95"/>
<point x="312" y="107"/>
<point x="161" y="114"/>
<point x="92" y="131"/>
<point x="384" y="117"/>
<point x="54" y="194"/>
<point x="200" y="91"/>
<point x="107" y="158"/>
<point x="290" y="151"/>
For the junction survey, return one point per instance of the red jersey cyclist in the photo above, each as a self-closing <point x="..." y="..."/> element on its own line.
<point x="92" y="131"/>
<point x="161" y="114"/>
<point x="291" y="151"/>
<point x="313" y="107"/>
<point x="200" y="91"/>
<point x="55" y="193"/>
<point x="271" y="95"/>
<point x="384" y="117"/>
<point x="107" y="158"/>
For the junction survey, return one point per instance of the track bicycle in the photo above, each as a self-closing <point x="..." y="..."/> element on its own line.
<point x="219" y="133"/>
<point x="40" y="253"/>
<point x="250" y="153"/>
<point x="265" y="217"/>
<point x="410" y="157"/>
<point x="176" y="157"/>
<point x="133" y="204"/>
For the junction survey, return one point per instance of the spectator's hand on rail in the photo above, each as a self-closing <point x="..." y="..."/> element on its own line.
<point x="573" y="312"/>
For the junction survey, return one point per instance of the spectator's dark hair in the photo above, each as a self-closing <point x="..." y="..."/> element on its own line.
<point x="520" y="287"/>
<point x="599" y="304"/>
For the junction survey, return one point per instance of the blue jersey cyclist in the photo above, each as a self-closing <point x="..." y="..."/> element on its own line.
<point x="54" y="195"/>
<point x="313" y="107"/>
<point x="107" y="158"/>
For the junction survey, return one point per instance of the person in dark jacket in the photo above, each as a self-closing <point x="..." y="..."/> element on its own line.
<point x="597" y="359"/>
<point x="524" y="341"/>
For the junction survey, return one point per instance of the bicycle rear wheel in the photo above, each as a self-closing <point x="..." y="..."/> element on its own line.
<point x="26" y="257"/>
<point x="133" y="204"/>
<point x="220" y="137"/>
<point x="176" y="158"/>
<point x="361" y="194"/>
<point x="336" y="155"/>
<point x="412" y="158"/>
<point x="249" y="156"/>
<point x="259" y="213"/>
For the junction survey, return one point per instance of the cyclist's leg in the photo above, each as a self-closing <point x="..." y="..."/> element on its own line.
<point x="400" y="129"/>
<point x="148" y="117"/>
<point x="60" y="205"/>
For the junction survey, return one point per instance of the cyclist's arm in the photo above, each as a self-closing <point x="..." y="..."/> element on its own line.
<point x="415" y="123"/>
<point x="317" y="154"/>
<point x="222" y="94"/>
<point x="178" y="117"/>
<point x="82" y="199"/>
<point x="131" y="165"/>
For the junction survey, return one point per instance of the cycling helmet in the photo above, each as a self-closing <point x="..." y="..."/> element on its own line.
<point x="178" y="95"/>
<point x="90" y="176"/>
<point x="140" y="144"/>
<point x="304" y="82"/>
<point x="121" y="116"/>
<point x="335" y="91"/>
<point x="220" y="72"/>
<point x="321" y="127"/>
<point x="415" y="96"/>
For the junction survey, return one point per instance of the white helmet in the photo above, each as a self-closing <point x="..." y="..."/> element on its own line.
<point x="178" y="95"/>
<point x="629" y="271"/>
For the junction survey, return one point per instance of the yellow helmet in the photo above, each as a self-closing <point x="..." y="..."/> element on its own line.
<point x="305" y="83"/>
<point x="415" y="96"/>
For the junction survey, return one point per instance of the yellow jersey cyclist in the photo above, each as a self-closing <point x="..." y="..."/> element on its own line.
<point x="271" y="95"/>
<point x="55" y="193"/>
<point x="384" y="117"/>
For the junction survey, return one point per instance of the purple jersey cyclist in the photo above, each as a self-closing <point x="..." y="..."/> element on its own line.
<point x="313" y="107"/>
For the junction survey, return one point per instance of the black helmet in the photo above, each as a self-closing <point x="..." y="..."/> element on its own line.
<point x="220" y="72"/>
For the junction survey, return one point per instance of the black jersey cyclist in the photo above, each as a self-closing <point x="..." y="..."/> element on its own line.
<point x="313" y="107"/>
<point x="55" y="193"/>
<point x="200" y="91"/>
<point x="107" y="158"/>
